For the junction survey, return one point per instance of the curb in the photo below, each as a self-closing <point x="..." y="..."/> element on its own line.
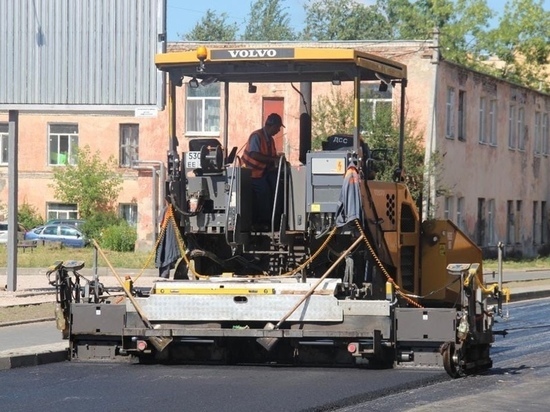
<point x="34" y="356"/>
<point x="528" y="295"/>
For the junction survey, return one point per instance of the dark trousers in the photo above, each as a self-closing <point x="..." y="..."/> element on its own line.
<point x="264" y="193"/>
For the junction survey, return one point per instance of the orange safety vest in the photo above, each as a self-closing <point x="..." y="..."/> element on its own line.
<point x="266" y="148"/>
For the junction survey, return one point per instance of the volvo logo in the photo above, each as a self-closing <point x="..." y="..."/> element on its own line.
<point x="253" y="53"/>
<point x="229" y="54"/>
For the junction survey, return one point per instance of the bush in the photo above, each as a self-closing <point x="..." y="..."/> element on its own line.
<point x="28" y="216"/>
<point x="96" y="223"/>
<point x="120" y="238"/>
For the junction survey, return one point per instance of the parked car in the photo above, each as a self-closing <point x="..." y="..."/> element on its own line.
<point x="65" y="234"/>
<point x="71" y="222"/>
<point x="4" y="232"/>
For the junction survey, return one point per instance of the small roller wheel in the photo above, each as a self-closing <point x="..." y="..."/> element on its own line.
<point x="451" y="360"/>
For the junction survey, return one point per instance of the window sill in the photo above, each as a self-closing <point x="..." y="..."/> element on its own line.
<point x="202" y="134"/>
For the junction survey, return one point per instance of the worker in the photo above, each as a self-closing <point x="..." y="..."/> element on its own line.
<point x="261" y="156"/>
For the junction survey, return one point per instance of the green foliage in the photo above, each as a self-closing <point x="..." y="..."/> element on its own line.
<point x="28" y="216"/>
<point x="97" y="222"/>
<point x="520" y="39"/>
<point x="461" y="23"/>
<point x="268" y="21"/>
<point x="213" y="28"/>
<point x="522" y="42"/>
<point x="331" y="114"/>
<point x="344" y="20"/>
<point x="120" y="238"/>
<point x="91" y="183"/>
<point x="334" y="114"/>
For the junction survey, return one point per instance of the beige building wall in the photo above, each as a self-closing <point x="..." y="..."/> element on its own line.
<point x="470" y="170"/>
<point x="481" y="169"/>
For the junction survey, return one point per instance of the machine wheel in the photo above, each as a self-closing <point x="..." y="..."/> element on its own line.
<point x="451" y="359"/>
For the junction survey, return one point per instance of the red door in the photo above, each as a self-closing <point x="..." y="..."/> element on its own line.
<point x="274" y="105"/>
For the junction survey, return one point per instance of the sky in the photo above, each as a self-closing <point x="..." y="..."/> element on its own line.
<point x="182" y="15"/>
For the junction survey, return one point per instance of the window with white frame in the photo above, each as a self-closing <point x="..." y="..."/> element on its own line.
<point x="448" y="214"/>
<point x="376" y="101"/>
<point x="517" y="221"/>
<point x="536" y="228"/>
<point x="538" y="139"/>
<point x="492" y="122"/>
<point x="450" y="113"/>
<point x="544" y="133"/>
<point x="481" y="225"/>
<point x="491" y="235"/>
<point x="512" y="127"/>
<point x="129" y="144"/>
<point x="202" y="114"/>
<point x="4" y="138"/>
<point x="543" y="223"/>
<point x="521" y="128"/>
<point x="460" y="213"/>
<point x="63" y="144"/>
<point x="128" y="212"/>
<point x="461" y="115"/>
<point x="61" y="211"/>
<point x="510" y="222"/>
<point x="482" y="120"/>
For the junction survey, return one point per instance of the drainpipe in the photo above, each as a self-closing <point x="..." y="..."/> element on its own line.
<point x="162" y="176"/>
<point x="429" y="195"/>
<point x="151" y="165"/>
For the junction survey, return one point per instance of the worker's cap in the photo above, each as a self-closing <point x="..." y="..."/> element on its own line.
<point x="274" y="120"/>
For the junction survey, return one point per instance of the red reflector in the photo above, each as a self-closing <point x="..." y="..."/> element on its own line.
<point x="352" y="348"/>
<point x="141" y="345"/>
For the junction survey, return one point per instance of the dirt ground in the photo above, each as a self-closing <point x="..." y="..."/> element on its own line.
<point x="18" y="313"/>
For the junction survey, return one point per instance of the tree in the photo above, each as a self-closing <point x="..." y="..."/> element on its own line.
<point x="213" y="28"/>
<point x="344" y="20"/>
<point x="462" y="24"/>
<point x="334" y="114"/>
<point x="267" y="21"/>
<point x="522" y="42"/>
<point x="92" y="184"/>
<point x="28" y="216"/>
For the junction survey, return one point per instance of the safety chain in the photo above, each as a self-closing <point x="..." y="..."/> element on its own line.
<point x="154" y="250"/>
<point x="398" y="289"/>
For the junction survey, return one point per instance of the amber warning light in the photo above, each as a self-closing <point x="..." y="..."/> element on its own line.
<point x="201" y="55"/>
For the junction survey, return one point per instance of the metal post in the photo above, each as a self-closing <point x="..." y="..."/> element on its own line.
<point x="13" y="118"/>
<point x="95" y="263"/>
<point x="500" y="249"/>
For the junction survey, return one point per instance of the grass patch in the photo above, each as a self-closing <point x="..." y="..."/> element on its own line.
<point x="45" y="256"/>
<point x="539" y="263"/>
